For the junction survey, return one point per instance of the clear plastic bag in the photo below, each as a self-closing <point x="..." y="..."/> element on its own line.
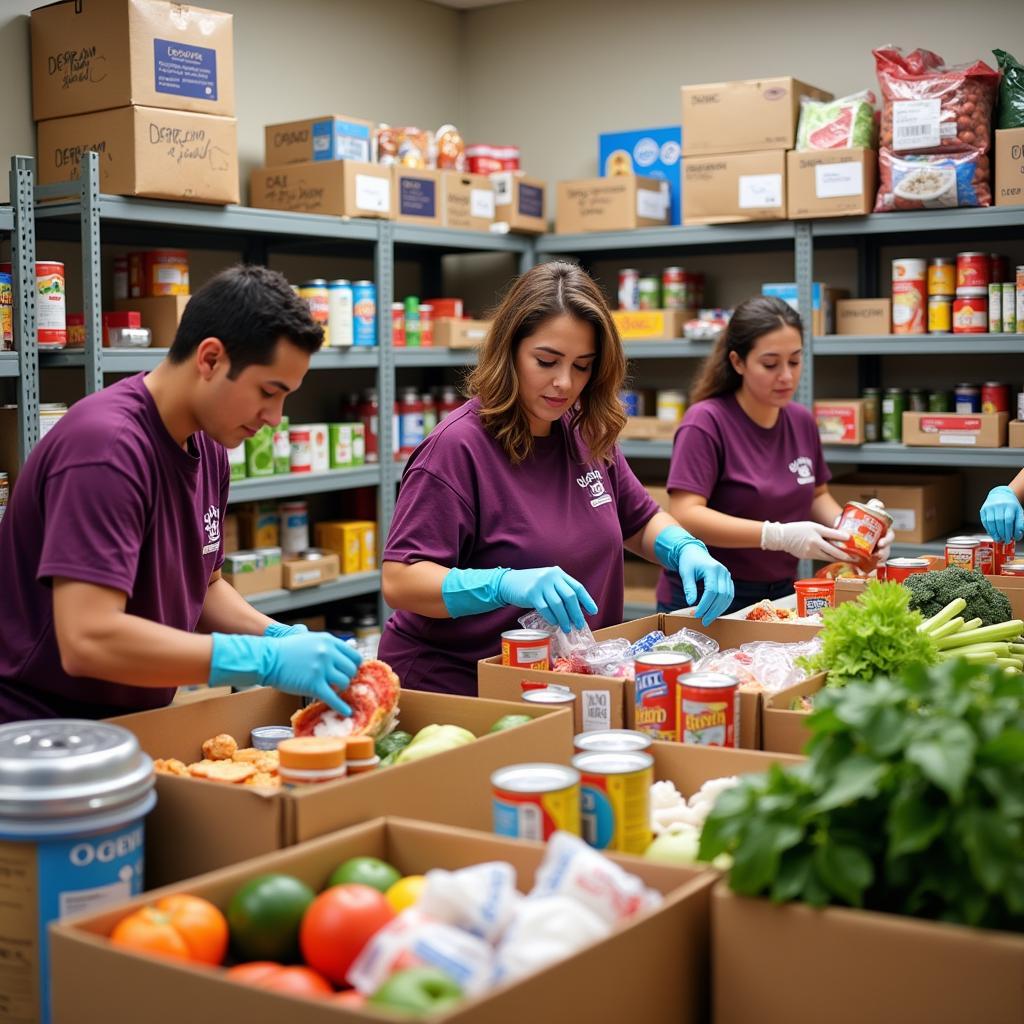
<point x="774" y="665"/>
<point x="646" y="643"/>
<point x="689" y="641"/>
<point x="607" y="657"/>
<point x="837" y="124"/>
<point x="563" y="645"/>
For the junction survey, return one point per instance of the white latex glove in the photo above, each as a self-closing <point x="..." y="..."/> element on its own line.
<point x="804" y="540"/>
<point x="883" y="552"/>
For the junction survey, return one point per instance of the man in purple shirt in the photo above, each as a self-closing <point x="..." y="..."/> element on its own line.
<point x="112" y="542"/>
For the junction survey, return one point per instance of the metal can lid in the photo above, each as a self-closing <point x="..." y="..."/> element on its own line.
<point x="267" y="737"/>
<point x="535" y="777"/>
<point x="525" y="635"/>
<point x="907" y="563"/>
<point x="664" y="658"/>
<point x="967" y="387"/>
<point x="711" y="681"/>
<point x="941" y="261"/>
<point x="962" y="542"/>
<point x="339" y="282"/>
<point x="994" y="384"/>
<point x="612" y="741"/>
<point x="894" y="391"/>
<point x="314" y="282"/>
<point x="964" y="255"/>
<point x="1013" y="568"/>
<point x="984" y="538"/>
<point x="972" y="292"/>
<point x="363" y="283"/>
<point x="549" y="695"/>
<point x="608" y="762"/>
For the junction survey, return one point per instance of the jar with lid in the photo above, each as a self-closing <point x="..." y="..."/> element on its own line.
<point x="309" y="760"/>
<point x="410" y="422"/>
<point x="429" y="411"/>
<point x="450" y="402"/>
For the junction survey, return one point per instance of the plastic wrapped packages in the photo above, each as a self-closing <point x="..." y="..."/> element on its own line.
<point x="765" y="666"/>
<point x="563" y="645"/>
<point x="646" y="643"/>
<point x="449" y="149"/>
<point x="933" y="181"/>
<point x="845" y="123"/>
<point x="707" y="325"/>
<point x="1011" y="91"/>
<point x="609" y="658"/>
<point x="688" y="641"/>
<point x="733" y="663"/>
<point x="403" y="146"/>
<point x="481" y="899"/>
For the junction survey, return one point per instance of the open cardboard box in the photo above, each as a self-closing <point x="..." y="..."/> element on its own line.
<point x="784" y="730"/>
<point x="198" y="826"/>
<point x="604" y="702"/>
<point x="857" y="966"/>
<point x="1011" y="586"/>
<point x="654" y="969"/>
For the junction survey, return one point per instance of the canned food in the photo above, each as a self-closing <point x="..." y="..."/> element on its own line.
<point x="995" y="397"/>
<point x="893" y="407"/>
<point x="997" y="266"/>
<point x="5" y="494"/>
<point x="814" y="596"/>
<point x="909" y="296"/>
<point x="316" y="297"/>
<point x="165" y="272"/>
<point x="872" y="413"/>
<point x="615" y="799"/>
<point x="412" y="321"/>
<point x="526" y="648"/>
<point x="962" y="551"/>
<point x="426" y="325"/>
<point x="940" y="314"/>
<point x="709" y="710"/>
<point x="629" y="289"/>
<point x="364" y="313"/>
<point x="1019" y="315"/>
<point x="896" y="570"/>
<point x="1005" y="551"/>
<point x="1011" y="322"/>
<point x="120" y="277"/>
<point x="267" y="737"/>
<point x="1013" y="569"/>
<point x="339" y="314"/>
<point x="970" y="314"/>
<point x="632" y="402"/>
<point x="6" y="313"/>
<point x="671" y="406"/>
<point x="673" y="288"/>
<point x="866" y="524"/>
<point x="294" y="517"/>
<point x="655" y="686"/>
<point x="533" y="801"/>
<point x="649" y="293"/>
<point x="985" y="554"/>
<point x="549" y="696"/>
<point x="917" y="400"/>
<point x="612" y="741"/>
<point x="966" y="398"/>
<point x="973" y="270"/>
<point x="398" y="324"/>
<point x="941" y="276"/>
<point x="51" y="308"/>
<point x="995" y="308"/>
<point x="300" y="442"/>
<point x="938" y="401"/>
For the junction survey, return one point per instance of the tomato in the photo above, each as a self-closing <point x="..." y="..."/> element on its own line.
<point x="183" y="926"/>
<point x="264" y="916"/>
<point x="338" y="924"/>
<point x="295" y="981"/>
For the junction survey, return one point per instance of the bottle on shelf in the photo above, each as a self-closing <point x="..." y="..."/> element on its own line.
<point x="369" y="412"/>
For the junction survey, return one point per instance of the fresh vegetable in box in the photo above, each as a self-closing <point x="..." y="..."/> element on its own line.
<point x="264" y="916"/>
<point x="371" y="871"/>
<point x="930" y="592"/>
<point x="1011" y="91"/>
<point x="181" y="926"/>
<point x="837" y="124"/>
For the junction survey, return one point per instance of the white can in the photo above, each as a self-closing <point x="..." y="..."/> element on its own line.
<point x="294" y="517"/>
<point x="339" y="313"/>
<point x="671" y="406"/>
<point x="300" y="446"/>
<point x="320" y="447"/>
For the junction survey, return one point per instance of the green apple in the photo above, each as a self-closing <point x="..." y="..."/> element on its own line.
<point x="371" y="871"/>
<point x="417" y="991"/>
<point x="509" y="722"/>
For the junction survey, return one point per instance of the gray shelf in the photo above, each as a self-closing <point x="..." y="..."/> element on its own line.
<point x="298" y="485"/>
<point x="981" y="219"/>
<point x="354" y="358"/>
<point x="450" y="238"/>
<point x="670" y="237"/>
<point x="634" y="449"/>
<point x="678" y="348"/>
<point x="435" y="356"/>
<point x="898" y="454"/>
<point x="274" y="602"/>
<point x="918" y="344"/>
<point x="9" y="364"/>
<point x="128" y="360"/>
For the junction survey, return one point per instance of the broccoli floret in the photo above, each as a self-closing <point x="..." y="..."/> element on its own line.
<point x="930" y="592"/>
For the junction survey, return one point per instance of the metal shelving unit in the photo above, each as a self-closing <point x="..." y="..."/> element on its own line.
<point x="10" y="365"/>
<point x="297" y="485"/>
<point x="133" y="360"/>
<point x="671" y="238"/>
<point x="888" y="454"/>
<point x="429" y="357"/>
<point x="276" y="602"/>
<point x="23" y="364"/>
<point x="919" y="345"/>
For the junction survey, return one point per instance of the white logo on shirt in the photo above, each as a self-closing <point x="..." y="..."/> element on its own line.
<point x="211" y="523"/>
<point x="803" y="468"/>
<point x="595" y="484"/>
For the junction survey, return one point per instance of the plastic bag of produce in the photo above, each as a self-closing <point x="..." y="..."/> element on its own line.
<point x="837" y="124"/>
<point x="1011" y="91"/>
<point x="932" y="181"/>
<point x="690" y="642"/>
<point x="608" y="658"/>
<point x="775" y="665"/>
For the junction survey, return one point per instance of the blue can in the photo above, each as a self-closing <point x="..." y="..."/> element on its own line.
<point x="967" y="398"/>
<point x="632" y="402"/>
<point x="364" y="313"/>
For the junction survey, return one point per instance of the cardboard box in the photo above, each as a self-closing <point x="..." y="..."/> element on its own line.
<point x="144" y="151"/>
<point x="611" y="204"/>
<point x="520" y="202"/>
<point x="688" y="766"/>
<point x="823" y="302"/>
<point x="259" y="581"/>
<point x="733" y="188"/>
<point x="649" y="428"/>
<point x="340" y="188"/>
<point x="864" y="316"/>
<point x="1009" y="162"/>
<point x="652" y="152"/>
<point x="666" y="949"/>
<point x="230" y="532"/>
<point x="331" y="137"/>
<point x="259" y="525"/>
<point x="1011" y="586"/>
<point x="840" y="420"/>
<point x="161" y="315"/>
<point x="92" y="55"/>
<point x="418" y="196"/>
<point x="651" y="324"/>
<point x="737" y="117"/>
<point x="923" y="506"/>
<point x="962" y="430"/>
<point x="452" y="333"/>
<point x="467" y="201"/>
<point x="1016" y="434"/>
<point x="783" y="722"/>
<point x="298" y="573"/>
<point x="865" y="966"/>
<point x="190" y="813"/>
<point x="831" y="183"/>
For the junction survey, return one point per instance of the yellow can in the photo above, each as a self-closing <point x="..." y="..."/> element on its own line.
<point x="615" y="799"/>
<point x="533" y="801"/>
<point x="940" y="314"/>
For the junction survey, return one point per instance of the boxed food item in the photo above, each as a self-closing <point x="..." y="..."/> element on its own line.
<point x="831" y="182"/>
<point x="732" y="188"/>
<point x="651" y="324"/>
<point x="341" y="188"/>
<point x="652" y="152"/>
<point x="840" y="420"/>
<point x="418" y="196"/>
<point x="1016" y="434"/>
<point x="649" y="428"/>
<point x="467" y="201"/>
<point x="331" y="137"/>
<point x="864" y="316"/>
<point x="739" y="117"/>
<point x="966" y="430"/>
<point x="231" y="533"/>
<point x="452" y="332"/>
<point x="92" y="55"/>
<point x="354" y="541"/>
<point x="823" y="302"/>
<point x="259" y="525"/>
<point x="161" y="314"/>
<point x="611" y="204"/>
<point x="520" y="203"/>
<point x="300" y="572"/>
<point x="1009" y="161"/>
<point x="248" y="573"/>
<point x="145" y="151"/>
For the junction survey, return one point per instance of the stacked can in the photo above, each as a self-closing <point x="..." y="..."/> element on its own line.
<point x="339" y="313"/>
<point x="412" y="321"/>
<point x="316" y="296"/>
<point x="909" y="296"/>
<point x="872" y="398"/>
<point x="894" y="404"/>
<point x="629" y="289"/>
<point x="649" y="293"/>
<point x="364" y="313"/>
<point x="971" y="306"/>
<point x="941" y="289"/>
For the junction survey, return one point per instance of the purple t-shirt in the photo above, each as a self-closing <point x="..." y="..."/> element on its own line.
<point x="463" y="504"/>
<point x="107" y="497"/>
<point x="748" y="471"/>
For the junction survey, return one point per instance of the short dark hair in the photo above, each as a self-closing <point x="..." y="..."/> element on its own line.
<point x="249" y="308"/>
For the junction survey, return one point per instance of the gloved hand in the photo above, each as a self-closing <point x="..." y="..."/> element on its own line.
<point x="681" y="552"/>
<point x="883" y="550"/>
<point x="314" y="665"/>
<point x="279" y="629"/>
<point x="1002" y="515"/>
<point x="804" y="540"/>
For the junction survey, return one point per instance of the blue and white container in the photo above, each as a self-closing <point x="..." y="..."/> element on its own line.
<point x="364" y="313"/>
<point x="73" y="798"/>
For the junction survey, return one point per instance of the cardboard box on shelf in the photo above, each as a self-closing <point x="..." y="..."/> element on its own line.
<point x="824" y="299"/>
<point x="450" y="332"/>
<point x="160" y="314"/>
<point x="299" y="573"/>
<point x="354" y="541"/>
<point x="965" y="430"/>
<point x="840" y="420"/>
<point x="652" y="152"/>
<point x="923" y="505"/>
<point x="259" y="581"/>
<point x="1009" y="164"/>
<point x="739" y="117"/>
<point x="467" y="201"/>
<point x="331" y="137"/>
<point x="259" y="524"/>
<point x="864" y="316"/>
<point x="341" y="188"/>
<point x="520" y="202"/>
<point x="1016" y="434"/>
<point x="418" y="196"/>
<point x="246" y="823"/>
<point x="145" y="151"/>
<point x="651" y="324"/>
<point x="231" y="533"/>
<point x="101" y="54"/>
<point x="668" y="977"/>
<point x="610" y="204"/>
<point x="831" y="183"/>
<point x="734" y="188"/>
<point x="649" y="428"/>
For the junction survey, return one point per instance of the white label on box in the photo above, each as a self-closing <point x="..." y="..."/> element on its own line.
<point x="903" y="519"/>
<point x="597" y="709"/>
<point x="915" y="124"/>
<point x="481" y="203"/>
<point x="502" y="183"/>
<point x="760" y="191"/>
<point x="832" y="181"/>
<point x="958" y="438"/>
<point x="373" y="193"/>
<point x="650" y="204"/>
<point x="306" y="576"/>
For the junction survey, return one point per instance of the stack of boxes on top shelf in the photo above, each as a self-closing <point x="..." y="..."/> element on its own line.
<point x="146" y="84"/>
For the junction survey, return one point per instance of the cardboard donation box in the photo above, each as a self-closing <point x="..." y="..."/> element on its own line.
<point x="649" y="428"/>
<point x="840" y="420"/>
<point x="963" y="430"/>
<point x="864" y="317"/>
<point x="1009" y="163"/>
<point x="299" y="573"/>
<point x="784" y="719"/>
<point x="418" y="196"/>
<point x="520" y="202"/>
<point x="611" y="204"/>
<point x="1016" y="434"/>
<point x="831" y="182"/>
<point x="664" y="950"/>
<point x="452" y="333"/>
<point x="734" y="188"/>
<point x="342" y="188"/>
<point x="199" y="825"/>
<point x="651" y="324"/>
<point x="161" y="314"/>
<point x="467" y="201"/>
<point x="333" y="137"/>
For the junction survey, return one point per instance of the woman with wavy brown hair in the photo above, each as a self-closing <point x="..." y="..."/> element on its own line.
<point x="522" y="499"/>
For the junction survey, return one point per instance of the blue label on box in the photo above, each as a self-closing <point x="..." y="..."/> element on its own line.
<point x="787" y="291"/>
<point x="185" y="70"/>
<point x="647" y="153"/>
<point x="334" y="139"/>
<point x="417" y="197"/>
<point x="531" y="201"/>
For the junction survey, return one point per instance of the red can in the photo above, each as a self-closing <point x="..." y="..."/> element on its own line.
<point x="526" y="648"/>
<point x="985" y="554"/>
<point x="973" y="270"/>
<point x="451" y="309"/>
<point x="1004" y="554"/>
<point x="995" y="397"/>
<point x="970" y="314"/>
<point x="51" y="303"/>
<point x="814" y="596"/>
<point x="709" y="710"/>
<point x="896" y="570"/>
<point x="866" y="525"/>
<point x="1015" y="569"/>
<point x="656" y="689"/>
<point x="398" y="324"/>
<point x="962" y="551"/>
<point x="369" y="411"/>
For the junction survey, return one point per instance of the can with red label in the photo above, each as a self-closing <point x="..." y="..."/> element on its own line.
<point x="629" y="289"/>
<point x="656" y="679"/>
<point x="896" y="570"/>
<point x="970" y="313"/>
<point x="398" y="324"/>
<point x="973" y="270"/>
<point x="997" y="266"/>
<point x="985" y="554"/>
<point x="615" y="799"/>
<point x="533" y="801"/>
<point x="814" y="596"/>
<point x="909" y="296"/>
<point x="51" y="303"/>
<point x="995" y="397"/>
<point x="526" y="648"/>
<point x="673" y="288"/>
<point x="1004" y="553"/>
<point x="866" y="525"/>
<point x="962" y="551"/>
<point x="709" y="710"/>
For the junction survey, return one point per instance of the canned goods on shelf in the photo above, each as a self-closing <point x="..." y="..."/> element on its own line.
<point x="6" y="313"/>
<point x="896" y="570"/>
<point x="973" y="270"/>
<point x="364" y="313"/>
<point x="535" y="800"/>
<point x="51" y="303"/>
<point x="917" y="400"/>
<point x="398" y="324"/>
<point x="970" y="314"/>
<point x="165" y="272"/>
<point x="940" y="314"/>
<point x="967" y="398"/>
<point x="671" y="406"/>
<point x="995" y="308"/>
<point x="649" y="293"/>
<point x="339" y="313"/>
<point x="673" y="288"/>
<point x="893" y="406"/>
<point x="1011" y="320"/>
<point x="909" y="296"/>
<point x="939" y="401"/>
<point x="872" y="398"/>
<point x="315" y="295"/>
<point x="629" y="289"/>
<point x="995" y="397"/>
<point x="941" y="277"/>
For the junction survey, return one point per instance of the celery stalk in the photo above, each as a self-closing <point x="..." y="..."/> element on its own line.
<point x="954" y="608"/>
<point x="980" y="658"/>
<point x="1001" y="631"/>
<point x="970" y="624"/>
<point x="947" y="629"/>
<point x="1010" y="663"/>
<point x="1017" y="649"/>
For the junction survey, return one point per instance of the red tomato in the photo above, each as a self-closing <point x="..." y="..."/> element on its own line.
<point x="338" y="924"/>
<point x="295" y="981"/>
<point x="350" y="998"/>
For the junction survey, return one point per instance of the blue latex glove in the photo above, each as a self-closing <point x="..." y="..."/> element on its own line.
<point x="1002" y="515"/>
<point x="681" y="552"/>
<point x="279" y="629"/>
<point x="314" y="665"/>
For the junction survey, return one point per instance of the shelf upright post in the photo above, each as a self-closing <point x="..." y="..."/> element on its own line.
<point x="528" y="257"/>
<point x="804" y="259"/>
<point x="23" y="275"/>
<point x="92" y="298"/>
<point x="384" y="271"/>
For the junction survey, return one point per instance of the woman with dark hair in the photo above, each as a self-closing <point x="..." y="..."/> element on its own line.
<point x="748" y="473"/>
<point x="522" y="499"/>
